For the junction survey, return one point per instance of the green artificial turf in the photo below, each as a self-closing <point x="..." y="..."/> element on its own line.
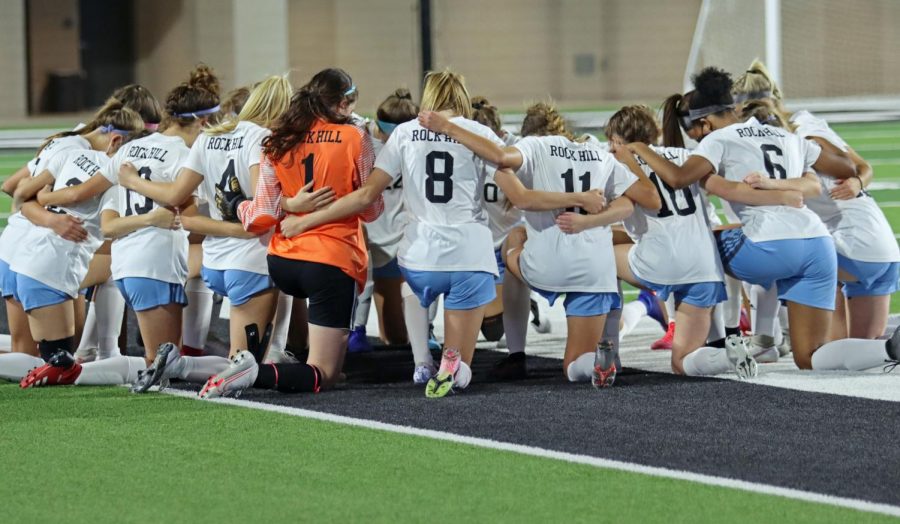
<point x="96" y="455"/>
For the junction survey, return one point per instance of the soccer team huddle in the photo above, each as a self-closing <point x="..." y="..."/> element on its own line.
<point x="301" y="214"/>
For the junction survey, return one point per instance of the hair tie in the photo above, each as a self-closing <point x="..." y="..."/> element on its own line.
<point x="202" y="112"/>
<point x="351" y="90"/>
<point x="151" y="127"/>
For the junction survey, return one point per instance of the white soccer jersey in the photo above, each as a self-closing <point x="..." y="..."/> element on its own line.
<point x="49" y="258"/>
<point x="502" y="216"/>
<point x="673" y="245"/>
<point x="385" y="232"/>
<point x="859" y="227"/>
<point x="743" y="148"/>
<point x="224" y="161"/>
<point x="553" y="260"/>
<point x="17" y="225"/>
<point x="149" y="252"/>
<point x="443" y="188"/>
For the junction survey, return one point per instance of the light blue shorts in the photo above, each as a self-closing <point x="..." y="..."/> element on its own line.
<point x="142" y="294"/>
<point x="873" y="278"/>
<point x="699" y="294"/>
<point x="389" y="270"/>
<point x="803" y="270"/>
<point x="501" y="267"/>
<point x="7" y="280"/>
<point x="461" y="289"/>
<point x="35" y="295"/>
<point x="239" y="286"/>
<point x="579" y="304"/>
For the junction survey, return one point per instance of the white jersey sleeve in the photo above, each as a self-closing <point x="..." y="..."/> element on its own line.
<point x="740" y="149"/>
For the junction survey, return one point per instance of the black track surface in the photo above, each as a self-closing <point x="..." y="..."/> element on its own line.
<point x="822" y="443"/>
<point x="815" y="442"/>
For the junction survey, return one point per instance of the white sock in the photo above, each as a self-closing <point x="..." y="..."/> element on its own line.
<point x="783" y="321"/>
<point x="854" y="354"/>
<point x="670" y="307"/>
<point x="706" y="361"/>
<point x="364" y="301"/>
<point x="198" y="369"/>
<point x="581" y="369"/>
<point x="197" y="314"/>
<point x="516" y="310"/>
<point x="225" y="309"/>
<point x="282" y="322"/>
<point x="416" y="318"/>
<point x="717" y="324"/>
<point x="765" y="310"/>
<point x="109" y="305"/>
<point x="731" y="308"/>
<point x="5" y="343"/>
<point x="463" y="376"/>
<point x="111" y="371"/>
<point x="432" y="310"/>
<point x="632" y="313"/>
<point x="89" y="333"/>
<point x="14" y="366"/>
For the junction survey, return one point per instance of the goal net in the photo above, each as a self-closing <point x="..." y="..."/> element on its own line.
<point x="816" y="48"/>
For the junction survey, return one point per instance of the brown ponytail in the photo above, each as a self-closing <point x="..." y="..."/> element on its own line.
<point x="194" y="98"/>
<point x="486" y="114"/>
<point x="633" y="124"/>
<point x="316" y="100"/>
<point x="675" y="110"/>
<point x="397" y="108"/>
<point x="543" y="119"/>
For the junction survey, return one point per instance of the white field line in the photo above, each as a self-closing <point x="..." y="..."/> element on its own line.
<point x="884" y="162"/>
<point x="877" y="147"/>
<point x="889" y="204"/>
<point x="629" y="467"/>
<point x="850" y="136"/>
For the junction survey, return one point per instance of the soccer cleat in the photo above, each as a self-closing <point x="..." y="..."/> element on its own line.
<point x="510" y="367"/>
<point x="240" y="375"/>
<point x="892" y="347"/>
<point x="441" y="384"/>
<point x="665" y="343"/>
<point x="653" y="310"/>
<point x="60" y="370"/>
<point x="540" y="317"/>
<point x="423" y="373"/>
<point x="83" y="355"/>
<point x="736" y="350"/>
<point x="281" y="357"/>
<point x="763" y="350"/>
<point x="744" y="323"/>
<point x="358" y="341"/>
<point x="166" y="366"/>
<point x="604" y="374"/>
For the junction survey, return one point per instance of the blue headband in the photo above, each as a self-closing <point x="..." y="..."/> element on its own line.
<point x="351" y="90"/>
<point x="202" y="112"/>
<point x="386" y="127"/>
<point x="696" y="114"/>
<point x="109" y="128"/>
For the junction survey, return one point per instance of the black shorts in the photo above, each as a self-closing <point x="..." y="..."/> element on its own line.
<point x="331" y="292"/>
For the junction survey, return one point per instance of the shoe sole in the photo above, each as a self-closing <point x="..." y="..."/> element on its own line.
<point x="746" y="368"/>
<point x="156" y="378"/>
<point x="599" y="381"/>
<point x="439" y="387"/>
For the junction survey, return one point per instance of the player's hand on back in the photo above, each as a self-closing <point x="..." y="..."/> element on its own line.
<point x="593" y="201"/>
<point x="571" y="223"/>
<point x="164" y="218"/>
<point x="307" y="201"/>
<point x="293" y="225"/>
<point x="128" y="174"/>
<point x="846" y="189"/>
<point x="757" y="180"/>
<point x="68" y="227"/>
<point x="433" y="121"/>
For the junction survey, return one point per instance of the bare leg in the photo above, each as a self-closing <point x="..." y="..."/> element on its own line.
<point x="868" y="315"/>
<point x="159" y="325"/>
<point x="809" y="330"/>
<point x="52" y="322"/>
<point x="461" y="330"/>
<point x="693" y="327"/>
<point x="259" y="310"/>
<point x="327" y="348"/>
<point x="840" y="321"/>
<point x="22" y="342"/>
<point x="389" y="305"/>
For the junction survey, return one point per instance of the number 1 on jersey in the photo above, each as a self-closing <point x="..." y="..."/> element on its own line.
<point x="308" y="163"/>
<point x="569" y="179"/>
